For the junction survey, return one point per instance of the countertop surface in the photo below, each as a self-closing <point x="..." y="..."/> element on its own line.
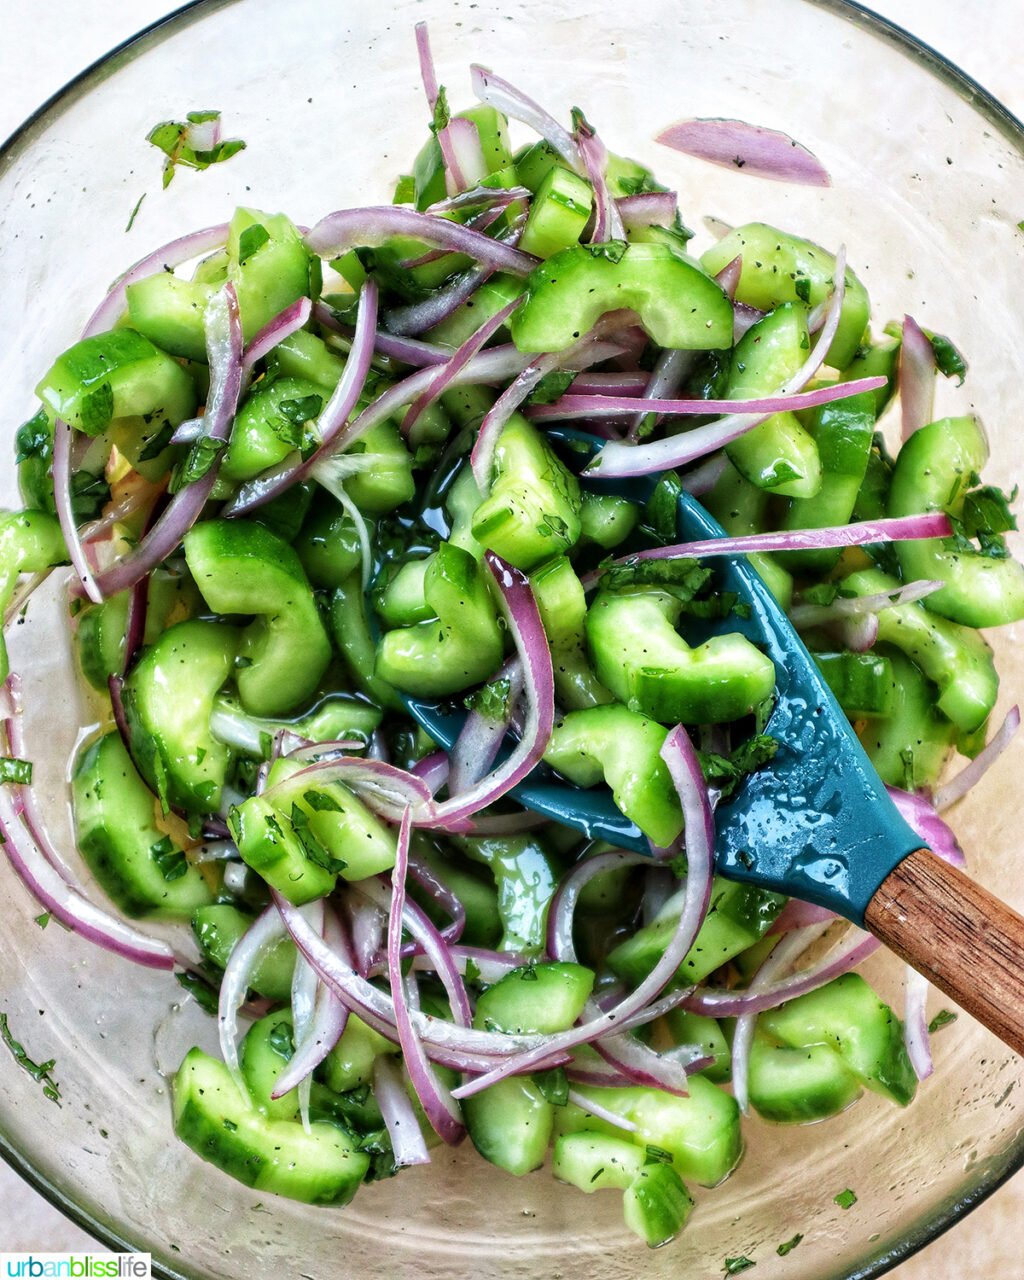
<point x="37" y="56"/>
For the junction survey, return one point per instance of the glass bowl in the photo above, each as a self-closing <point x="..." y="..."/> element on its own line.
<point x="927" y="173"/>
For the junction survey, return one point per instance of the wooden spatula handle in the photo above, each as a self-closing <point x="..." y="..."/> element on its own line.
<point x="965" y="941"/>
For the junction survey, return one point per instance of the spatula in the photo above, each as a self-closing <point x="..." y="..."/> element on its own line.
<point x="816" y="822"/>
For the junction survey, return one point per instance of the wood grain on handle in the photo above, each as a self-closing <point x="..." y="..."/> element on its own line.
<point x="964" y="940"/>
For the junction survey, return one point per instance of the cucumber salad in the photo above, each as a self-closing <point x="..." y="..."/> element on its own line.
<point x="317" y="485"/>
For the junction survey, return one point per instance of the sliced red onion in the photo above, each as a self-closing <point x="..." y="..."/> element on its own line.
<point x="371" y="227"/>
<point x="494" y="420"/>
<point x="744" y="318"/>
<point x="491" y="199"/>
<point x="729" y="276"/>
<point x="480" y="737"/>
<point x="648" y="209"/>
<point x="463" y="1048"/>
<point x="933" y="524"/>
<point x="699" y="835"/>
<point x="607" y="218"/>
<point x="798" y="915"/>
<point x="409" y="351"/>
<point x="920" y="815"/>
<point x="385" y="788"/>
<point x="949" y="793"/>
<point x="847" y="954"/>
<point x="439" y="1107"/>
<point x="601" y="1113"/>
<point x="702" y="479"/>
<point x="333" y="419"/>
<point x="512" y="102"/>
<point x="783" y="957"/>
<point x="642" y="1066"/>
<point x="859" y="633"/>
<point x="916" y="378"/>
<point x="417" y="317"/>
<point x="818" y="615"/>
<point x="609" y="384"/>
<point x="408" y="1146"/>
<point x="135" y="501"/>
<point x="65" y="511"/>
<point x="576" y="406"/>
<point x="915" y="1023"/>
<point x="283" y="325"/>
<point x="717" y="227"/>
<point x="166" y="258"/>
<point x="528" y="634"/>
<point x="305" y="982"/>
<point x="326" y="1023"/>
<point x="433" y="769"/>
<point x="506" y="824"/>
<point x="265" y="932"/>
<point x="462" y="356"/>
<point x="674" y="451"/>
<point x="666" y="378"/>
<point x="562" y="907"/>
<point x="734" y="144"/>
<point x="440" y="893"/>
<point x="463" y="155"/>
<point x="224" y="352"/>
<point x="368" y="924"/>
<point x="492" y="365"/>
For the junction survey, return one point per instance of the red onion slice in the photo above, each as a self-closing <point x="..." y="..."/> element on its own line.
<point x="699" y="834"/>
<point x="439" y="1107"/>
<point x="818" y="615"/>
<point x="648" y="209"/>
<point x="971" y="774"/>
<point x="607" y="218"/>
<point x="65" y="512"/>
<point x="480" y="737"/>
<point x="305" y="982"/>
<point x="417" y="317"/>
<point x="734" y="144"/>
<point x="782" y="957"/>
<point x="601" y="1113"/>
<point x="491" y="966"/>
<point x="609" y="384"/>
<point x="166" y="258"/>
<point x="283" y="325"/>
<point x="577" y="406"/>
<point x="916" y="378"/>
<point x="798" y="915"/>
<point x="562" y="907"/>
<point x="512" y="102"/>
<point x="462" y="356"/>
<point x="265" y="932"/>
<point x="642" y="1066"/>
<point x="372" y="227"/>
<point x="410" y="351"/>
<point x="224" y="351"/>
<point x="915" y="1023"/>
<point x="408" y="1146"/>
<point x="538" y="684"/>
<point x="674" y="451"/>
<point x="919" y="813"/>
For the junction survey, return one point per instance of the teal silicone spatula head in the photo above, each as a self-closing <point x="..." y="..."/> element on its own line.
<point x="816" y="822"/>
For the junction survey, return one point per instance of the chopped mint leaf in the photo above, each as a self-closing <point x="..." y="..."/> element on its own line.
<point x="43" y="920"/>
<point x="491" y="700"/>
<point x="135" y="213"/>
<point x="13" y="770"/>
<point x="789" y="1246"/>
<point x="311" y="846"/>
<point x="89" y="494"/>
<point x="727" y="773"/>
<point x="942" y="1019"/>
<point x="682" y="578"/>
<point x="472" y="971"/>
<point x="846" y="1199"/>
<point x="156" y="444"/>
<point x="169" y="858"/>
<point x="662" y="505"/>
<point x="197" y="462"/>
<point x="200" y="990"/>
<point x="321" y="802"/>
<point x="948" y="359"/>
<point x="802" y="285"/>
<point x="554" y="1085"/>
<point x="733" y="1266"/>
<point x="34" y="439"/>
<point x="656" y="1155"/>
<point x="274" y="827"/>
<point x="39" y="1071"/>
<point x="442" y="112"/>
<point x="551" y="387"/>
<point x="405" y="190"/>
<point x="175" y="138"/>
<point x="252" y="239"/>
<point x="609" y="250"/>
<point x="282" y="1041"/>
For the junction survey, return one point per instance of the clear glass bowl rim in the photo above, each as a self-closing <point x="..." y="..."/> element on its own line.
<point x="1008" y="124"/>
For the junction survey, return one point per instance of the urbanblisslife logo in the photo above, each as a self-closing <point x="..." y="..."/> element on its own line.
<point x="76" y="1266"/>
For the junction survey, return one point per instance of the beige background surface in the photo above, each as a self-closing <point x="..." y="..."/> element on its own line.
<point x="42" y="46"/>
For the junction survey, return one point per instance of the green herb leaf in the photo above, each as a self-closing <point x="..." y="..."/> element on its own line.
<point x="789" y="1246"/>
<point x="948" y="359"/>
<point x="322" y="802"/>
<point x="682" y="578"/>
<point x="200" y="990"/>
<point x="43" y="920"/>
<point x="662" y="505"/>
<point x="472" y="970"/>
<point x="491" y="700"/>
<point x="89" y="494"/>
<point x="609" y="250"/>
<point x="845" y="1199"/>
<point x="802" y="285"/>
<point x="157" y="443"/>
<point x="282" y="1040"/>
<point x="13" y="770"/>
<point x="311" y="846"/>
<point x="197" y="462"/>
<point x="942" y="1019"/>
<point x="172" y="137"/>
<point x="554" y="1085"/>
<point x="733" y="1266"/>
<point x="405" y="190"/>
<point x="252" y="239"/>
<point x="728" y="773"/>
<point x="39" y="1071"/>
<point x="169" y="858"/>
<point x="656" y="1155"/>
<point x="135" y="213"/>
<point x="551" y="387"/>
<point x="442" y="112"/>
